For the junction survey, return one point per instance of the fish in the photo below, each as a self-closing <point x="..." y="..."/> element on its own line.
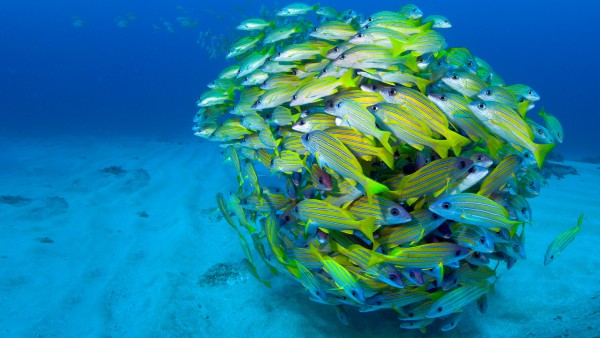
<point x="255" y="24"/>
<point x="419" y="106"/>
<point x="317" y="89"/>
<point x="432" y="178"/>
<point x="524" y="91"/>
<point x="473" y="209"/>
<point x="508" y="125"/>
<point x="496" y="180"/>
<point x="423" y="256"/>
<point x="360" y="145"/>
<point x="333" y="30"/>
<point x="422" y="223"/>
<point x="466" y="83"/>
<point x="453" y="301"/>
<point x="553" y="125"/>
<point x="332" y="153"/>
<point x="558" y="245"/>
<point x="322" y="214"/>
<point x="353" y="114"/>
<point x="296" y="9"/>
<point x="341" y="276"/>
<point x="408" y="128"/>
<point x="439" y="21"/>
<point x="385" y="212"/>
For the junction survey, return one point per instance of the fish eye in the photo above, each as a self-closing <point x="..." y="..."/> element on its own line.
<point x="457" y="253"/>
<point x="359" y="35"/>
<point x="324" y="71"/>
<point x="287" y="218"/>
<point x="479" y="158"/>
<point x="279" y="54"/>
<point x="476" y="254"/>
<point x="354" y="293"/>
<point x="302" y="122"/>
<point x="439" y="309"/>
<point x="331" y="104"/>
<point x="316" y="29"/>
<point x="470" y="63"/>
<point x="370" y="19"/>
<point x="374" y="108"/>
<point x="443" y="98"/>
<point x="294" y="97"/>
<point x="339" y="105"/>
<point x="342" y="57"/>
<point x="527" y="155"/>
<point x="454" y="77"/>
<point x="272" y="161"/>
<point x="446" y="205"/>
<point x="445" y="21"/>
<point x="306" y="137"/>
<point x="531" y="185"/>
<point x="515" y="247"/>
<point x="523" y="210"/>
<point x="317" y="292"/>
<point x="374" y="87"/>
<point x="558" y="134"/>
<point x="392" y="277"/>
<point x="258" y="102"/>
<point x="435" y="216"/>
<point x="521" y="99"/>
<point x="462" y="164"/>
<point x="530" y="92"/>
<point x="336" y="49"/>
<point x="393" y="91"/>
<point x="296" y="209"/>
<point x="411" y="274"/>
<point x="471" y="170"/>
<point x="395" y="212"/>
<point x="539" y="131"/>
<point x="482" y="240"/>
<point x="481" y="106"/>
<point x="488" y="92"/>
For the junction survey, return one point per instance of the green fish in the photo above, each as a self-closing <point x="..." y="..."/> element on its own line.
<point x="333" y="30"/>
<point x="315" y="90"/>
<point x="354" y="115"/>
<point x="473" y="209"/>
<point x="332" y="153"/>
<point x="454" y="301"/>
<point x="553" y="125"/>
<point x="498" y="178"/>
<point x="296" y="9"/>
<point x="424" y="256"/>
<point x="360" y="145"/>
<point x="561" y="242"/>
<point x="322" y="214"/>
<point x="466" y="83"/>
<point x="507" y="124"/>
<point x="255" y="24"/>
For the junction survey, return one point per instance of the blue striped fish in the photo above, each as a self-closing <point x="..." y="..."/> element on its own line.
<point x="332" y="153"/>
<point x="560" y="243"/>
<point x="342" y="277"/>
<point x="424" y="256"/>
<point x="496" y="180"/>
<point x="322" y="214"/>
<point x="458" y="298"/>
<point x="431" y="178"/>
<point x="361" y="146"/>
<point x="385" y="211"/>
<point x="473" y="209"/>
<point x="423" y="222"/>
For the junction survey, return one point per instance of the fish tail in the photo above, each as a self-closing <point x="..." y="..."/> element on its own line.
<point x="347" y="81"/>
<point x="441" y="147"/>
<point x="494" y="145"/>
<point x="376" y="258"/>
<point x="457" y="141"/>
<point x="366" y="227"/>
<point x="398" y="48"/>
<point x="426" y="26"/>
<point x="540" y="151"/>
<point x="385" y="141"/>
<point x="386" y="157"/>
<point x="522" y="108"/>
<point x="422" y="84"/>
<point x="411" y="63"/>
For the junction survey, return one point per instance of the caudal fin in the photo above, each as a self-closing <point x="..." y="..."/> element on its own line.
<point x="441" y="147"/>
<point x="366" y="227"/>
<point x="372" y="187"/>
<point x="386" y="157"/>
<point x="540" y="151"/>
<point x="457" y="141"/>
<point x="385" y="141"/>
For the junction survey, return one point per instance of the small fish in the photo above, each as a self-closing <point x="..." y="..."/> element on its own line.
<point x="255" y="24"/>
<point x="561" y="242"/>
<point x="341" y="276"/>
<point x="385" y="212"/>
<point x="360" y="145"/>
<point x="333" y="30"/>
<point x="553" y="125"/>
<point x="320" y="178"/>
<point x="453" y="301"/>
<point x="525" y="91"/>
<point x="332" y="153"/>
<point x="322" y="214"/>
<point x="296" y="9"/>
<point x="496" y="180"/>
<point x="466" y="83"/>
<point x="423" y="256"/>
<point x="315" y="90"/>
<point x="439" y="21"/>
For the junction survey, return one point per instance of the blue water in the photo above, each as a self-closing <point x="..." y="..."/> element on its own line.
<point x="117" y="69"/>
<point x="58" y="79"/>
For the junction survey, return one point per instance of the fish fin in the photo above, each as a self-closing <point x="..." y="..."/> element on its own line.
<point x="426" y="26"/>
<point x="422" y="84"/>
<point x="398" y="47"/>
<point x="385" y="141"/>
<point x="347" y="81"/>
<point x="373" y="187"/>
<point x="494" y="145"/>
<point x="540" y="152"/>
<point x="522" y="108"/>
<point x="366" y="226"/>
<point x="387" y="158"/>
<point x="441" y="147"/>
<point x="376" y="258"/>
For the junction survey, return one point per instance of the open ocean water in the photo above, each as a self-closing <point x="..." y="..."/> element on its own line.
<point x="104" y="80"/>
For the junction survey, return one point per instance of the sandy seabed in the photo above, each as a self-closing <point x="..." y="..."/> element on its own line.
<point x="120" y="238"/>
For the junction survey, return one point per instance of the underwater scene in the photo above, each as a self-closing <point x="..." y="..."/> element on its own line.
<point x="294" y="169"/>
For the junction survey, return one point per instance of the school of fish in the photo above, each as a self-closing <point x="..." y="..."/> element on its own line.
<point x="377" y="166"/>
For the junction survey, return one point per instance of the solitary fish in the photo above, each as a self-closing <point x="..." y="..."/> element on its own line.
<point x="560" y="243"/>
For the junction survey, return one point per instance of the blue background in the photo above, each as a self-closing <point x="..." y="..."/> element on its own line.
<point x="57" y="79"/>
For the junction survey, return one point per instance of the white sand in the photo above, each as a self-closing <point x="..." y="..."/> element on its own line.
<point x="110" y="272"/>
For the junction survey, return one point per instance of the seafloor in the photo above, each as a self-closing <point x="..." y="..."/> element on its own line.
<point x="119" y="238"/>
